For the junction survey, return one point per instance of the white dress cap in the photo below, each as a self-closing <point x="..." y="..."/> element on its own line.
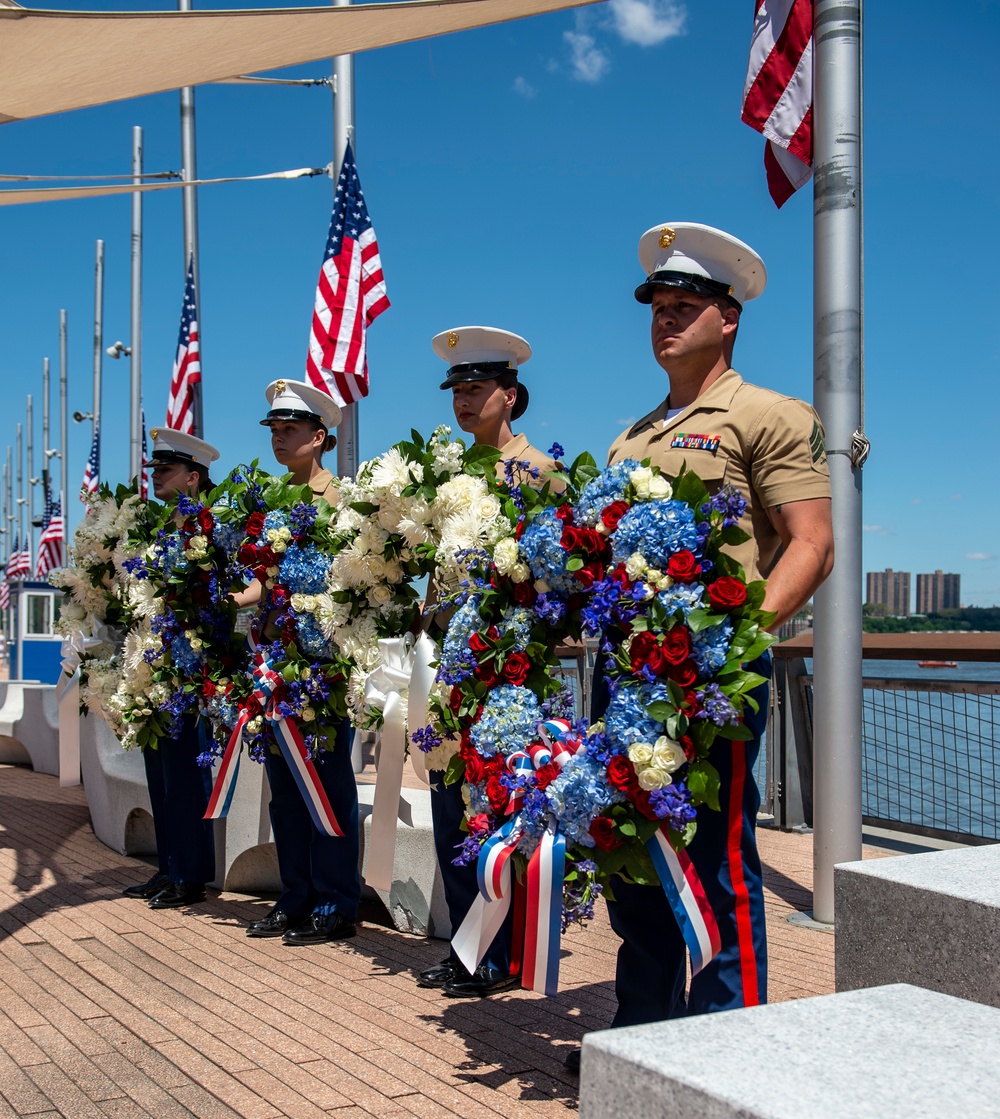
<point x="296" y="400"/>
<point x="478" y="353"/>
<point x="177" y="446"/>
<point x="699" y="258"/>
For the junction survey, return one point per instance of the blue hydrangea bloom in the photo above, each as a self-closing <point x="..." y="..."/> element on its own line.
<point x="508" y="721"/>
<point x="456" y="661"/>
<point x="545" y="555"/>
<point x="578" y="794"/>
<point x="655" y="529"/>
<point x="711" y="647"/>
<point x="607" y="487"/>
<point x="310" y="638"/>
<point x="518" y="622"/>
<point x="185" y="658"/>
<point x="304" y="569"/>
<point x="682" y="596"/>
<point x="626" y="720"/>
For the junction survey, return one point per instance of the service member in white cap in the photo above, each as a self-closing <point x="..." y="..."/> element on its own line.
<point x="179" y="788"/>
<point x="320" y="884"/>
<point x="487" y="396"/>
<point x="771" y="448"/>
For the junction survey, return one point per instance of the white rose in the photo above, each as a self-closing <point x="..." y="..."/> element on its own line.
<point x="641" y="478"/>
<point x="520" y="572"/>
<point x="505" y="555"/>
<point x="308" y="714"/>
<point x="652" y="778"/>
<point x="640" y="753"/>
<point x="197" y="644"/>
<point x="542" y="587"/>
<point x="379" y="595"/>
<point x="668" y="754"/>
<point x="278" y="547"/>
<point x="73" y="612"/>
<point x="255" y="724"/>
<point x="635" y="566"/>
<point x="660" y="489"/>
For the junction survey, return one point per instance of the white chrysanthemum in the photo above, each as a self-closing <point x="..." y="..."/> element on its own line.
<point x="458" y="493"/>
<point x="143" y="600"/>
<point x="394" y="473"/>
<point x="348" y="520"/>
<point x="331" y="615"/>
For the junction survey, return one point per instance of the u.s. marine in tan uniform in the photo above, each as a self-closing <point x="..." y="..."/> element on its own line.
<point x="487" y="396"/>
<point x="771" y="448"/>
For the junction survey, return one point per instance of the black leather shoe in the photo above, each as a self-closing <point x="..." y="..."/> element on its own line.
<point x="443" y="973"/>
<point x="177" y="894"/>
<point x="276" y="923"/>
<point x="483" y="981"/>
<point x="319" y="928"/>
<point x="572" y="1061"/>
<point x="148" y="889"/>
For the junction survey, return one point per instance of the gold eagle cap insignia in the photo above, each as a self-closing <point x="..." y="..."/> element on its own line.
<point x="279" y="387"/>
<point x="667" y="236"/>
<point x="154" y="433"/>
<point x="452" y="340"/>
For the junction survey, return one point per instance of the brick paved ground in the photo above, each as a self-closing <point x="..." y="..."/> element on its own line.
<point x="108" y="1008"/>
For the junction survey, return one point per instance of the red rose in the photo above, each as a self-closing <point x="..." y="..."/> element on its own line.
<point x="727" y="593"/>
<point x="494" y="766"/>
<point x="475" y="771"/>
<point x="516" y="668"/>
<point x="677" y="645"/>
<point x="687" y="744"/>
<point x="497" y="795"/>
<point x="206" y="522"/>
<point x="255" y="524"/>
<point x="620" y="772"/>
<point x="592" y="542"/>
<point x="683" y="566"/>
<point x="570" y="538"/>
<point x="613" y="513"/>
<point x="477" y="644"/>
<point x="488" y="674"/>
<point x="266" y="557"/>
<point x="640" y="650"/>
<point x="590" y="574"/>
<point x="691" y="699"/>
<point x="640" y="798"/>
<point x="189" y="528"/>
<point x="207" y="689"/>
<point x="685" y="673"/>
<point x="546" y="774"/>
<point x="455" y="699"/>
<point x="565" y="514"/>
<point x="253" y="706"/>
<point x="247" y="555"/>
<point x="603" y="831"/>
<point x="657" y="661"/>
<point x="620" y="576"/>
<point x="479" y="823"/>
<point x="525" y="594"/>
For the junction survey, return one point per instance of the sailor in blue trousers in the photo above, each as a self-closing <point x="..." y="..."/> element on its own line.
<point x="179" y="788"/>
<point x="771" y="448"/>
<point x="320" y="879"/>
<point x="486" y="397"/>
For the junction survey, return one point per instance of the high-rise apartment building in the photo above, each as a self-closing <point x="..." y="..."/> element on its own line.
<point x="940" y="591"/>
<point x="890" y="589"/>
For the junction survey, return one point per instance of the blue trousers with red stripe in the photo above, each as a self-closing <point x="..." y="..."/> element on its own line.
<point x="179" y="789"/>
<point x="651" y="969"/>
<point x="461" y="885"/>
<point x="319" y="872"/>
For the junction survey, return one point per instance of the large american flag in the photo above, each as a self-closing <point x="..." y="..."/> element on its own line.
<point x="778" y="95"/>
<point x="187" y="363"/>
<point x="350" y="294"/>
<point x="19" y="564"/>
<point x="92" y="474"/>
<point x="50" y="542"/>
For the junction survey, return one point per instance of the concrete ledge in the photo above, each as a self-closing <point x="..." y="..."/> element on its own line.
<point x="932" y="919"/>
<point x="115" y="783"/>
<point x="886" y="1053"/>
<point x="29" y="726"/>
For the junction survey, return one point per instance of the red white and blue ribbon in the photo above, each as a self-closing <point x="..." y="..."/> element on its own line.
<point x="687" y="899"/>
<point x="543" y="918"/>
<point x="229" y="769"/>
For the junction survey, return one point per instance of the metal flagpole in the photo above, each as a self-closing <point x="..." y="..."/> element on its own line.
<point x="189" y="171"/>
<point x="343" y="131"/>
<point x="20" y="487"/>
<point x="31" y="473"/>
<point x="47" y="451"/>
<point x="135" y="413"/>
<point x="837" y="387"/>
<point x="63" y="423"/>
<point x="98" y="333"/>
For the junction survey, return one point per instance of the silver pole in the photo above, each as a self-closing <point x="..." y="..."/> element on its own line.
<point x="837" y="311"/>
<point x="343" y="130"/>
<point x="46" y="444"/>
<point x="135" y="425"/>
<point x="31" y="473"/>
<point x="98" y="332"/>
<point x="20" y="489"/>
<point x="63" y="421"/>
<point x="189" y="171"/>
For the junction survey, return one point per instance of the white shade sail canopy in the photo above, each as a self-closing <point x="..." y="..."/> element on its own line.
<point x="54" y="61"/>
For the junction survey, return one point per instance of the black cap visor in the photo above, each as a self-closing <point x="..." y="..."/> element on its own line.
<point x="476" y="371"/>
<point x="687" y="281"/>
<point x="283" y="415"/>
<point x="171" y="458"/>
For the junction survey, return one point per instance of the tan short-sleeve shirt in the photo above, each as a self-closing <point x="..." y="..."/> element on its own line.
<point x="520" y="449"/>
<point x="324" y="485"/>
<point x="770" y="447"/>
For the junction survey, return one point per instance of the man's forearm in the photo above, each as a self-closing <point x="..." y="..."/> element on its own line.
<point x="798" y="573"/>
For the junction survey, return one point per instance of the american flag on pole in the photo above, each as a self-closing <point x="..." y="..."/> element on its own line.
<point x="187" y="363"/>
<point x="143" y="478"/>
<point x="778" y="95"/>
<point x="92" y="474"/>
<point x="8" y="574"/>
<point x="19" y="564"/>
<point x="350" y="294"/>
<point x="50" y="542"/>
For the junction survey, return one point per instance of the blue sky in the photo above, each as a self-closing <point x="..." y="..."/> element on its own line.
<point x="509" y="172"/>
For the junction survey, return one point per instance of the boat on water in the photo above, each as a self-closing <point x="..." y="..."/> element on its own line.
<point x="937" y="664"/>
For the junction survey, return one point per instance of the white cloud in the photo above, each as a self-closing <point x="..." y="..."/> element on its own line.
<point x="879" y="530"/>
<point x="955" y="497"/>
<point x="589" y="62"/>
<point x="628" y="421"/>
<point x="648" y="22"/>
<point x="979" y="556"/>
<point x="524" y="88"/>
<point x="918" y="501"/>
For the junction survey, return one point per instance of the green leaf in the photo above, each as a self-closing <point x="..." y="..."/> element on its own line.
<point x="703" y="781"/>
<point x="660" y="711"/>
<point x="575" y="563"/>
<point x="365" y="508"/>
<point x="740" y="733"/>
<point x="455" y="771"/>
<point x="701" y="619"/>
